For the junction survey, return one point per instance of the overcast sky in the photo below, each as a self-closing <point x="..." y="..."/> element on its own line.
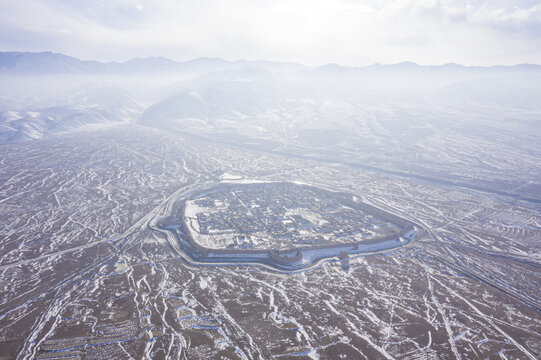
<point x="348" y="32"/>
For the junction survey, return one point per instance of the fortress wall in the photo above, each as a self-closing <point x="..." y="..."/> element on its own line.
<point x="237" y="251"/>
<point x="328" y="246"/>
<point x="283" y="260"/>
<point x="336" y="247"/>
<point x="378" y="212"/>
<point x="275" y="255"/>
<point x="187" y="234"/>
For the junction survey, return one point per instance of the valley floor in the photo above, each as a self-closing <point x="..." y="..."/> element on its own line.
<point x="83" y="276"/>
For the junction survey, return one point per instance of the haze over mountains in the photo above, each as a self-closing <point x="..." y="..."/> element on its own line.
<point x="45" y="92"/>
<point x="381" y="115"/>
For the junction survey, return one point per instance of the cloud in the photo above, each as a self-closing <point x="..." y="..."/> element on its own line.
<point x="344" y="31"/>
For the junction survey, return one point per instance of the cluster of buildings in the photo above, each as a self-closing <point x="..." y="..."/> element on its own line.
<point x="283" y="215"/>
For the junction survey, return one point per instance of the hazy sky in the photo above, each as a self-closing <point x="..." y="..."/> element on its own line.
<point x="348" y="32"/>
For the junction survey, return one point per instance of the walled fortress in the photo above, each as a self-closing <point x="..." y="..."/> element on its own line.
<point x="294" y="257"/>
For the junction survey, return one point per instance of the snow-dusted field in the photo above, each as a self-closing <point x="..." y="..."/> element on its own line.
<point x="82" y="276"/>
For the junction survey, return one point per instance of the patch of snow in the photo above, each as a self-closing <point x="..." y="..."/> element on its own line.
<point x="12" y="116"/>
<point x="229" y="176"/>
<point x="196" y="95"/>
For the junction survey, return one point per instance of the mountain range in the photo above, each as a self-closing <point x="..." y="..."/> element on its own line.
<point x="51" y="63"/>
<point x="283" y="102"/>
